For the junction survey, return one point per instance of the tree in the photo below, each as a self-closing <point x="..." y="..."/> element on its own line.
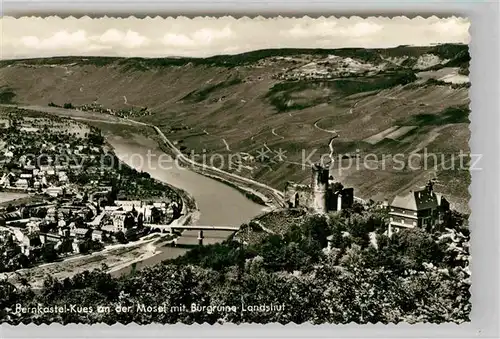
<point x="120" y="237"/>
<point x="156" y="215"/>
<point x="49" y="254"/>
<point x="129" y="221"/>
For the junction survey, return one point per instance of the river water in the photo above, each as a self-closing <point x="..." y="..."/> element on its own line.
<point x="218" y="204"/>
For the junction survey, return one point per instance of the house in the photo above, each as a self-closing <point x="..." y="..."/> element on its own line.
<point x="147" y="213"/>
<point x="63" y="177"/>
<point x="5" y="180"/>
<point x="54" y="191"/>
<point x="80" y="233"/>
<point x="76" y="246"/>
<point x="423" y="209"/>
<point x="14" y="215"/>
<point x="45" y="168"/>
<point x="159" y="205"/>
<point x="97" y="235"/>
<point x="97" y="220"/>
<point x="112" y="208"/>
<point x="118" y="219"/>
<point x="108" y="229"/>
<point x="4" y="123"/>
<point x="26" y="175"/>
<point x="33" y="226"/>
<point x="27" y="242"/>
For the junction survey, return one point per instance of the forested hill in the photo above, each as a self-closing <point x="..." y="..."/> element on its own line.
<point x="290" y="276"/>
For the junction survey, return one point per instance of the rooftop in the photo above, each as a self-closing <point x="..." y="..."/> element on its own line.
<point x="417" y="200"/>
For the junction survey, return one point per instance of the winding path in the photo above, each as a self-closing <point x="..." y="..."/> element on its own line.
<point x="273" y="131"/>
<point x="226" y="144"/>
<point x="129" y="104"/>
<point x="322" y="129"/>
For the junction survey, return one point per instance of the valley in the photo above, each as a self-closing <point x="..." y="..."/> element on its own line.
<point x="285" y="104"/>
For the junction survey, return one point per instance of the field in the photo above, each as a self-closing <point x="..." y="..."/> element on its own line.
<point x="231" y="104"/>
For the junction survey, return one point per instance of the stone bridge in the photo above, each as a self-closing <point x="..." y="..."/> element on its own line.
<point x="199" y="228"/>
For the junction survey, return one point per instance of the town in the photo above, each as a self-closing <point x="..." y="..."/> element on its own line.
<point x="99" y="108"/>
<point x="78" y="197"/>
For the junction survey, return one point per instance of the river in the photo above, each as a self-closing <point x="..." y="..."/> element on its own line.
<point x="218" y="204"/>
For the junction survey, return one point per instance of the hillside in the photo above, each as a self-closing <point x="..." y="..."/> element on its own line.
<point x="380" y="101"/>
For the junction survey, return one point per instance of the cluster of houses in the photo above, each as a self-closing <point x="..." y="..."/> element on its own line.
<point x="123" y="113"/>
<point x="39" y="154"/>
<point x="329" y="68"/>
<point x="75" y="208"/>
<point x="77" y="220"/>
<point x="52" y="180"/>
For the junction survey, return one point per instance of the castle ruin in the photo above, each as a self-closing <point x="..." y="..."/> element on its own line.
<point x="322" y="195"/>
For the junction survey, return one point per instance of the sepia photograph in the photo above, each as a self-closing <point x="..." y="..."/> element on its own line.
<point x="235" y="170"/>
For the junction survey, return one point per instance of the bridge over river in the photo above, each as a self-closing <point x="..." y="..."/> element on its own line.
<point x="199" y="228"/>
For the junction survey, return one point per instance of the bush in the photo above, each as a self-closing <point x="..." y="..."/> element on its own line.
<point x="120" y="237"/>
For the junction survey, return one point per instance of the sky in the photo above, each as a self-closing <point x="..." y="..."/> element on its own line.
<point x="29" y="37"/>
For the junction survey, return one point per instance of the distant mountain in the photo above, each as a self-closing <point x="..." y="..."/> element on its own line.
<point x="381" y="101"/>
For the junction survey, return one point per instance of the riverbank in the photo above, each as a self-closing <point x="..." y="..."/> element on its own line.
<point x="275" y="197"/>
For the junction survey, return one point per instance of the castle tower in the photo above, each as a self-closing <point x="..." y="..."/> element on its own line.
<point x="319" y="186"/>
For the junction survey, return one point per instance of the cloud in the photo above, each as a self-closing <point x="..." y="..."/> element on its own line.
<point x="451" y="27"/>
<point x="130" y="39"/>
<point x="61" y="39"/>
<point x="111" y="36"/>
<point x="204" y="36"/>
<point x="329" y="29"/>
<point x="180" y="40"/>
<point x="207" y="35"/>
<point x="362" y="29"/>
<point x="64" y="39"/>
<point x="321" y="29"/>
